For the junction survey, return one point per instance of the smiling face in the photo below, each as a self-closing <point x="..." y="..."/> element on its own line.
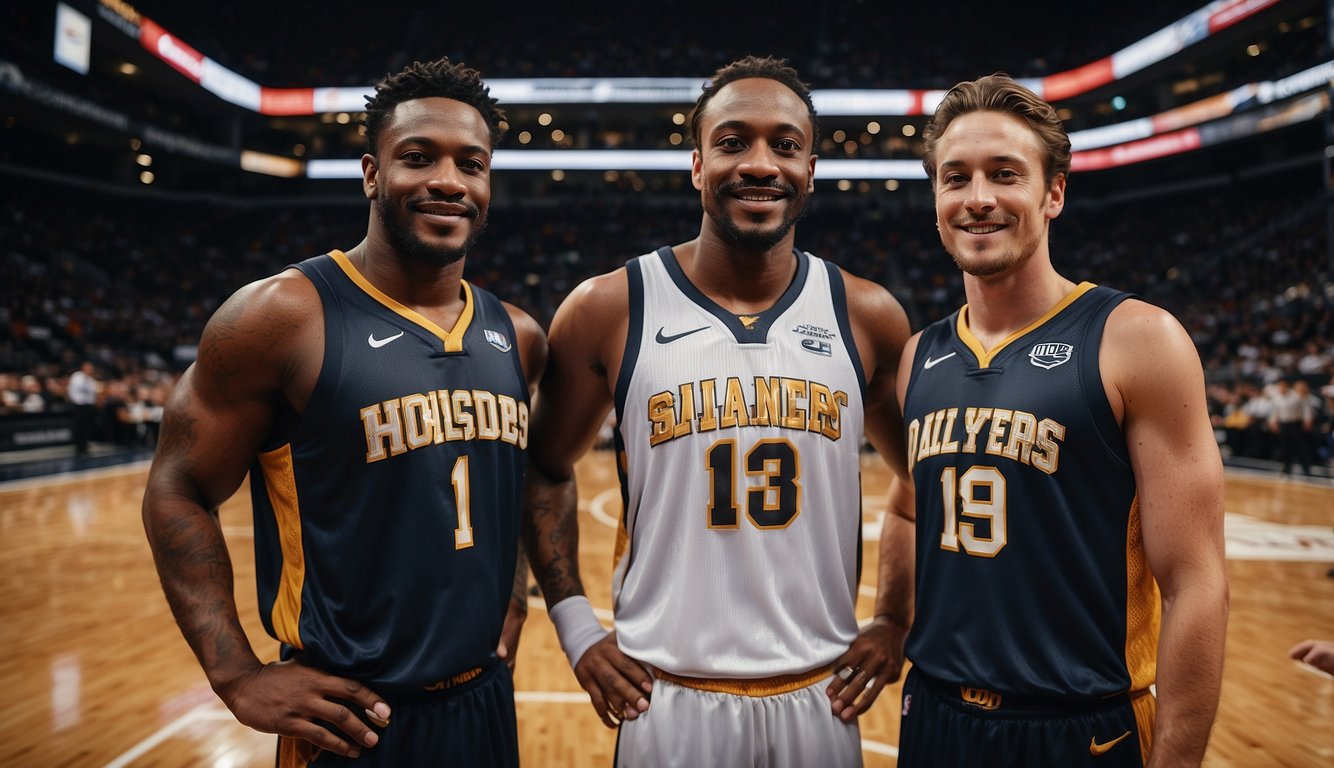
<point x="754" y="168"/>
<point x="992" y="202"/>
<point x="431" y="182"/>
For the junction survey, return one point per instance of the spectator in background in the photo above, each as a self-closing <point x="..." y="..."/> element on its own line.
<point x="1292" y="417"/>
<point x="35" y="397"/>
<point x="83" y="396"/>
<point x="1313" y="363"/>
<point x="10" y="399"/>
<point x="1258" y="406"/>
<point x="1314" y="432"/>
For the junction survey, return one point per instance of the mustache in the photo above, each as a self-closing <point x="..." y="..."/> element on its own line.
<point x="472" y="210"/>
<point x="775" y="185"/>
<point x="973" y="221"/>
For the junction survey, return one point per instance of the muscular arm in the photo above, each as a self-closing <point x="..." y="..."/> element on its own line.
<point x="571" y="403"/>
<point x="532" y="345"/>
<point x="880" y="327"/>
<point x="212" y="428"/>
<point x="587" y="341"/>
<point x="898" y="536"/>
<point x="1179" y="477"/>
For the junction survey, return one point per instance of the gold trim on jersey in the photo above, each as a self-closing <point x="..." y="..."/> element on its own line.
<point x="452" y="339"/>
<point x="1143" y="612"/>
<point x="622" y="545"/>
<point x="984" y="357"/>
<point x="756" y="688"/>
<point x="280" y="485"/>
<point x="1145" y="707"/>
<point x="296" y="753"/>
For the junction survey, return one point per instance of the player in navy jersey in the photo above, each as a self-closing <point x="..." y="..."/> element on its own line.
<point x="1067" y="526"/>
<point x="744" y="373"/>
<point x="380" y="405"/>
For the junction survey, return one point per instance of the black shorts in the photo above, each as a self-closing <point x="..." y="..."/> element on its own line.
<point x="468" y="725"/>
<point x="950" y="725"/>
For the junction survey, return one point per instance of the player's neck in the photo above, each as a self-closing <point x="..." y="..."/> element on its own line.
<point x="742" y="281"/>
<point x="434" y="291"/>
<point x="999" y="305"/>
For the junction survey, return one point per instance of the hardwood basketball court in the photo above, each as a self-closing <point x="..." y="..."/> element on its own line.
<point x="95" y="673"/>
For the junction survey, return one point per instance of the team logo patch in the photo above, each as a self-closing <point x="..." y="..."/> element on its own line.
<point x="817" y="339"/>
<point x="1050" y="354"/>
<point x="815" y="332"/>
<point x="907" y="703"/>
<point x="497" y="340"/>
<point x="817" y="346"/>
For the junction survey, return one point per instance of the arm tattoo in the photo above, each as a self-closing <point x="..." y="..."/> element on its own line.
<point x="553" y="540"/>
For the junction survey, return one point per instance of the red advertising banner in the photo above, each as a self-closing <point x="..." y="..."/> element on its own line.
<point x="170" y="49"/>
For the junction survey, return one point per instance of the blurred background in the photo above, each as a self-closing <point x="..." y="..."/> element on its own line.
<point x="156" y="156"/>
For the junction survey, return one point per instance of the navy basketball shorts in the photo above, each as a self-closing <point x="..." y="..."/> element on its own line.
<point x="947" y="725"/>
<point x="467" y="725"/>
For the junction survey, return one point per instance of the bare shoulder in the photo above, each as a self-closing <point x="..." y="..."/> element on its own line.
<point x="596" y="308"/>
<point x="1137" y="330"/>
<point x="272" y="302"/>
<point x="1149" y="363"/>
<point x="261" y="333"/>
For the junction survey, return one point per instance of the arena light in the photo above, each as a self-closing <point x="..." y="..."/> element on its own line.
<point x="235" y="89"/>
<point x="270" y="165"/>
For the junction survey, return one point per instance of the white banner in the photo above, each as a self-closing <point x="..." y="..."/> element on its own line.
<point x="74" y="38"/>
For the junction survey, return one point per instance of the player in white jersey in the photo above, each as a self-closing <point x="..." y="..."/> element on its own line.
<point x="744" y="373"/>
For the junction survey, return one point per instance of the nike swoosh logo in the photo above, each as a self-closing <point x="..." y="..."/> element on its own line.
<point x="1099" y="749"/>
<point x="663" y="338"/>
<point x="377" y="343"/>
<point x="929" y="364"/>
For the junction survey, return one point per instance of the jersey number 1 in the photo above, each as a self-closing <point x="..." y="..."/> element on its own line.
<point x="775" y="504"/>
<point x="462" y="504"/>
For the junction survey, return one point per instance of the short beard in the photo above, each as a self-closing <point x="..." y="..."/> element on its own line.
<point x="761" y="240"/>
<point x="986" y="267"/>
<point x="980" y="268"/>
<point x="409" y="245"/>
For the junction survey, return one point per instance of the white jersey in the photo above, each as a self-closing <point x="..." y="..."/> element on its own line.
<point x="740" y="440"/>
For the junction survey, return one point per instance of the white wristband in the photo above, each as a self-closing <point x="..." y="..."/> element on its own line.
<point x="576" y="626"/>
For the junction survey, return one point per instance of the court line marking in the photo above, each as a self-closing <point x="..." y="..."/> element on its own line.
<point x="207" y="711"/>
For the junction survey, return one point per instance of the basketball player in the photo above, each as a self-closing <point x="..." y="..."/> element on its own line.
<point x="743" y="372"/>
<point x="380" y="403"/>
<point x="1063" y="462"/>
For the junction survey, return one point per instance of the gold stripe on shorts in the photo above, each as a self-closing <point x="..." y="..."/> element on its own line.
<point x="758" y="687"/>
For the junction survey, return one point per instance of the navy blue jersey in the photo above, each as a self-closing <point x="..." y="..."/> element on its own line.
<point x="1031" y="575"/>
<point x="386" y="523"/>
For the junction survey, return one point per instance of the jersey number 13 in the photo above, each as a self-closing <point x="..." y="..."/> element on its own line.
<point x="774" y="503"/>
